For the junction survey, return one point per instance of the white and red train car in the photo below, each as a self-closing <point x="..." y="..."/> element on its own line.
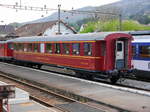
<point x="105" y="54"/>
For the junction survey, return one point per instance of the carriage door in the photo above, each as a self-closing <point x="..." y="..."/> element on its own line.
<point x="120" y="55"/>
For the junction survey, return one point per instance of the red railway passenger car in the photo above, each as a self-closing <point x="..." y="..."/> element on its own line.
<point x="6" y="51"/>
<point x="105" y="54"/>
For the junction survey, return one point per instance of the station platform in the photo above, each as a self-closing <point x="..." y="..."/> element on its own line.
<point x="127" y="99"/>
<point x="22" y="103"/>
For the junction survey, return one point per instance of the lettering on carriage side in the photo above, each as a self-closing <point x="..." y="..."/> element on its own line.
<point x="84" y="63"/>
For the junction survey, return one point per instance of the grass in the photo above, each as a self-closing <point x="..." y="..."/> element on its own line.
<point x="113" y="25"/>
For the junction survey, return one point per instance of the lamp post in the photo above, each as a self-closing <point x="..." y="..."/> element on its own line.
<point x="20" y="3"/>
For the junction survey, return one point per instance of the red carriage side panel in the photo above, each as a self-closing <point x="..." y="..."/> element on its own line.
<point x="9" y="50"/>
<point x="99" y="54"/>
<point x="76" y="61"/>
<point x="2" y="51"/>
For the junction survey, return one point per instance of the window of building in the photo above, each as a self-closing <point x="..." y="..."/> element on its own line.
<point x="87" y="49"/>
<point x="66" y="48"/>
<point x="145" y="51"/>
<point x="36" y="47"/>
<point x="76" y="48"/>
<point x="48" y="48"/>
<point x="57" y="48"/>
<point x="29" y="48"/>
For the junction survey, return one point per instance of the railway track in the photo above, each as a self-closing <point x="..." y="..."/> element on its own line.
<point x="45" y="96"/>
<point x="120" y="83"/>
<point x="39" y="94"/>
<point x="50" y="98"/>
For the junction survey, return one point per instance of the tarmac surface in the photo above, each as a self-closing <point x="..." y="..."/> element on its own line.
<point x="124" y="99"/>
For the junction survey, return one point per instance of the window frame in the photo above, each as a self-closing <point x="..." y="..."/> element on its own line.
<point x="56" y="48"/>
<point x="31" y="47"/>
<point x="66" y="51"/>
<point x="50" y="49"/>
<point x="74" y="51"/>
<point x="37" y="47"/>
<point x="142" y="53"/>
<point x="89" y="47"/>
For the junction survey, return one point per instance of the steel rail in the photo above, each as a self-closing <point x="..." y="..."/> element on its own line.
<point x="53" y="93"/>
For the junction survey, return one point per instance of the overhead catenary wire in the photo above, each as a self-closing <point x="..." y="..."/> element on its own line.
<point x="72" y="11"/>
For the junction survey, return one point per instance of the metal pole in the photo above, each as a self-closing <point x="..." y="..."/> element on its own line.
<point x="120" y="22"/>
<point x="59" y="18"/>
<point x="20" y="3"/>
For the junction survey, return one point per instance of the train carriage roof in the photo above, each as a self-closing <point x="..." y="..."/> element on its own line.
<point x="69" y="37"/>
<point x="141" y="38"/>
<point x="3" y="42"/>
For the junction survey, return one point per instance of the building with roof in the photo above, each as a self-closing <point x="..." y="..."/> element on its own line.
<point x="43" y="29"/>
<point x="5" y="30"/>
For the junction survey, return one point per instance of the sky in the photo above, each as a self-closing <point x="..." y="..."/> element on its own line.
<point x="12" y="15"/>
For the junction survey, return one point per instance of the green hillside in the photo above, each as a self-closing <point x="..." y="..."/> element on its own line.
<point x="113" y="25"/>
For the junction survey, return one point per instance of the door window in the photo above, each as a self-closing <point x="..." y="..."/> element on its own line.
<point x="119" y="47"/>
<point x="119" y="50"/>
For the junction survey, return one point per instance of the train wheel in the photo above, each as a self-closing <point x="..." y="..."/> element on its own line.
<point x="39" y="66"/>
<point x="78" y="74"/>
<point x="89" y="77"/>
<point x="114" y="79"/>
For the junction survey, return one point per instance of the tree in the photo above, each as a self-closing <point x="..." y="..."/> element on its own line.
<point x="143" y="19"/>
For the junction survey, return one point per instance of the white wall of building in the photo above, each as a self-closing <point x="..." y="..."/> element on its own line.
<point x="54" y="30"/>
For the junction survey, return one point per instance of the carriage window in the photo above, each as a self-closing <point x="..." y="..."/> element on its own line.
<point x="36" y="47"/>
<point x="15" y="47"/>
<point x="134" y="51"/>
<point x="65" y="48"/>
<point x="57" y="48"/>
<point x="87" y="49"/>
<point x="1" y="46"/>
<point x="25" y="48"/>
<point x="103" y="49"/>
<point x="29" y="48"/>
<point x="48" y="48"/>
<point x="19" y="47"/>
<point x="145" y="51"/>
<point x="76" y="48"/>
<point x="10" y="46"/>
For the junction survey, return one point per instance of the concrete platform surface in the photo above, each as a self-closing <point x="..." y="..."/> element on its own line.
<point x="120" y="98"/>
<point x="30" y="106"/>
<point x="22" y="103"/>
